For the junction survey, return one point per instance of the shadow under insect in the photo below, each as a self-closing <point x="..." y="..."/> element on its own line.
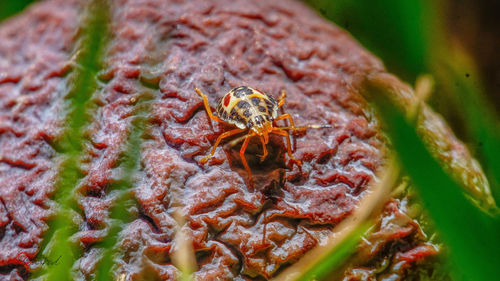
<point x="266" y="173"/>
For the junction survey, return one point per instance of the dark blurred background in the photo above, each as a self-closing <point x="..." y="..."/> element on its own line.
<point x="455" y="41"/>
<point x="411" y="36"/>
<point x="476" y="26"/>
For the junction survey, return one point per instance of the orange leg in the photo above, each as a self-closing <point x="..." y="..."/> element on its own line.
<point x="284" y="133"/>
<point x="281" y="99"/>
<point x="242" y="156"/>
<point x="207" y="106"/>
<point x="219" y="139"/>
<point x="264" y="148"/>
<point x="286" y="116"/>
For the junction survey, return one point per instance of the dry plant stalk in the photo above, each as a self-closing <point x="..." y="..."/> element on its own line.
<point x="183" y="254"/>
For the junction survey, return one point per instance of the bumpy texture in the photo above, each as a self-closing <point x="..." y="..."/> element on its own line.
<point x="163" y="50"/>
<point x="34" y="53"/>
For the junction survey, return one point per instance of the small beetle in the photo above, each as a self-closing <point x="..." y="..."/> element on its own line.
<point x="249" y="109"/>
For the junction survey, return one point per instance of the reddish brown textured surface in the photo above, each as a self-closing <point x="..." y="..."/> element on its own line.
<point x="166" y="48"/>
<point x="395" y="245"/>
<point x="34" y="52"/>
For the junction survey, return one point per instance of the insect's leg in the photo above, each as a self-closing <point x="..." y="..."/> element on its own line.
<point x="207" y="106"/>
<point x="242" y="156"/>
<point x="281" y="99"/>
<point x="219" y="139"/>
<point x="284" y="133"/>
<point x="264" y="148"/>
<point x="286" y="116"/>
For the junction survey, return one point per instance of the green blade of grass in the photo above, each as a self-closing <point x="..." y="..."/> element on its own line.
<point x="410" y="36"/>
<point x="471" y="234"/>
<point x="57" y="240"/>
<point x="436" y="135"/>
<point x="337" y="256"/>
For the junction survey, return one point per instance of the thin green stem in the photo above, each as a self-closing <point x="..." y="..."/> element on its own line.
<point x="57" y="241"/>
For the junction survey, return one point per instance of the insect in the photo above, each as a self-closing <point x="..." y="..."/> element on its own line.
<point x="253" y="111"/>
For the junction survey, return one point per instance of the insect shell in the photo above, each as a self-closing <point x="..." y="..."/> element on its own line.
<point x="252" y="110"/>
<point x="245" y="107"/>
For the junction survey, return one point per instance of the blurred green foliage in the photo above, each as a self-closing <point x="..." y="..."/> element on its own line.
<point x="411" y="39"/>
<point x="335" y="258"/>
<point x="394" y="30"/>
<point x="12" y="7"/>
<point x="81" y="86"/>
<point x="470" y="234"/>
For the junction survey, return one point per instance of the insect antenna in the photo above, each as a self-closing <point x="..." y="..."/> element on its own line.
<point x="302" y="128"/>
<point x="237" y="140"/>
